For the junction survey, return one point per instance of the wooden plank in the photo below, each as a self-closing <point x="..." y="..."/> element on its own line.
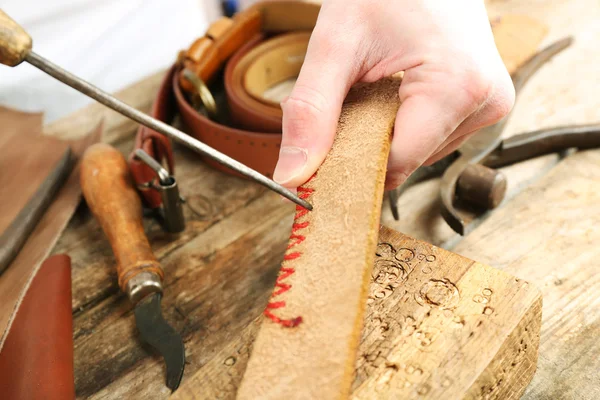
<point x="561" y="259"/>
<point x="213" y="284"/>
<point x="443" y="326"/>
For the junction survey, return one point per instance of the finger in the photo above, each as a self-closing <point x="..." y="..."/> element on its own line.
<point x="311" y="112"/>
<point x="447" y="149"/>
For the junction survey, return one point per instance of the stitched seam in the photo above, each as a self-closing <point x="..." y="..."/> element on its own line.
<point x="285" y="272"/>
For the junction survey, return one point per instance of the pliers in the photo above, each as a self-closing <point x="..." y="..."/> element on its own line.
<point x="467" y="173"/>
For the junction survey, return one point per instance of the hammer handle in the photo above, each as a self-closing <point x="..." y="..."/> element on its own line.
<point x="15" y="43"/>
<point x="107" y="188"/>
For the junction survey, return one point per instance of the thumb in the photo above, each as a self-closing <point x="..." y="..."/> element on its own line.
<point x="311" y="112"/>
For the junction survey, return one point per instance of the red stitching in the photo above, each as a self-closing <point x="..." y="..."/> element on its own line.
<point x="286" y="272"/>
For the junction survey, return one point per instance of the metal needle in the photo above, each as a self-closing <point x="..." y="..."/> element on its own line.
<point x="111" y="102"/>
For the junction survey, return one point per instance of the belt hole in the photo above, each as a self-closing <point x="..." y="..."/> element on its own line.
<point x="251" y="143"/>
<point x="239" y="142"/>
<point x="278" y="145"/>
<point x="264" y="144"/>
<point x="226" y="137"/>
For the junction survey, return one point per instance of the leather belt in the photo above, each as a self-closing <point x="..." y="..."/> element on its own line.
<point x="257" y="48"/>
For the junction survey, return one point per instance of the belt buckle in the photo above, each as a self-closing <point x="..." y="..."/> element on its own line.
<point x="203" y="95"/>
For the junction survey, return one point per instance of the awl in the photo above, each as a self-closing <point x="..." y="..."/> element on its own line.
<point x="109" y="193"/>
<point x="15" y="47"/>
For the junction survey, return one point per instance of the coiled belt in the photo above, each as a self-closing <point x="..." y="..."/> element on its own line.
<point x="258" y="48"/>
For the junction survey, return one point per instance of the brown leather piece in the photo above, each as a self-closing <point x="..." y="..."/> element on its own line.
<point x="28" y="155"/>
<point x="16" y="280"/>
<point x="259" y="150"/>
<point x="36" y="360"/>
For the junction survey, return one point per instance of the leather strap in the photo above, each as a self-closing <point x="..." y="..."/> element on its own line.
<point x="256" y="67"/>
<point x="306" y="347"/>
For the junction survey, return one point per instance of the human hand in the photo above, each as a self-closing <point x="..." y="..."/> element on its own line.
<point x="454" y="82"/>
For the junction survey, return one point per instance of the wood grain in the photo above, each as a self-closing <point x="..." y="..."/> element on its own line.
<point x="436" y="326"/>
<point x="561" y="258"/>
<point x="443" y="326"/>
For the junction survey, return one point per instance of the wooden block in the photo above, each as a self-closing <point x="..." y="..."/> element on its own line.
<point x="437" y="326"/>
<point x="441" y="326"/>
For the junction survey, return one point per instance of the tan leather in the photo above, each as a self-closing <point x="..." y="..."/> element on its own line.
<point x="36" y="361"/>
<point x="306" y="348"/>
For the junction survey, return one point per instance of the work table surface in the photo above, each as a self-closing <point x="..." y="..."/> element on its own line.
<point x="220" y="271"/>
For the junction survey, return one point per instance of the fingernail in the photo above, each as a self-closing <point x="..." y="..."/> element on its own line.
<point x="292" y="161"/>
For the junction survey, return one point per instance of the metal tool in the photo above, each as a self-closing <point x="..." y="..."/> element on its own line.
<point x="15" y="47"/>
<point x="465" y="173"/>
<point x="107" y="188"/>
<point x="171" y="212"/>
<point x="14" y="237"/>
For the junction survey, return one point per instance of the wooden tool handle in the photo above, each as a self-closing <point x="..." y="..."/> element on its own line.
<point x="15" y="43"/>
<point x="110" y="196"/>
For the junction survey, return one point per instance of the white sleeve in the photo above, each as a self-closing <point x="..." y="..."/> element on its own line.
<point x="111" y="43"/>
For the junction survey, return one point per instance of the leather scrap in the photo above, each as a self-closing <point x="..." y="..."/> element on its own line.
<point x="27" y="158"/>
<point x="16" y="280"/>
<point x="36" y="361"/>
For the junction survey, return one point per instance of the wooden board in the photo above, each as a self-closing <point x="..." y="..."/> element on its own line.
<point x="436" y="327"/>
<point x="561" y="258"/>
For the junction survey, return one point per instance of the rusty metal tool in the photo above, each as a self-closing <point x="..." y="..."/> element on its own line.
<point x="171" y="212"/>
<point x="110" y="195"/>
<point x="487" y="139"/>
<point x="487" y="191"/>
<point x="14" y="237"/>
<point x="465" y="173"/>
<point x="16" y="47"/>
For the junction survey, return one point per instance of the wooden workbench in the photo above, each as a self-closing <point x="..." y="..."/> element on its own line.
<point x="220" y="271"/>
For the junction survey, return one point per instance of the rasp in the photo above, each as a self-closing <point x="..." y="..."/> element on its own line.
<point x="109" y="193"/>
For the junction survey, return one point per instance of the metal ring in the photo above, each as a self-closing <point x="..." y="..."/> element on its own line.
<point x="203" y="92"/>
